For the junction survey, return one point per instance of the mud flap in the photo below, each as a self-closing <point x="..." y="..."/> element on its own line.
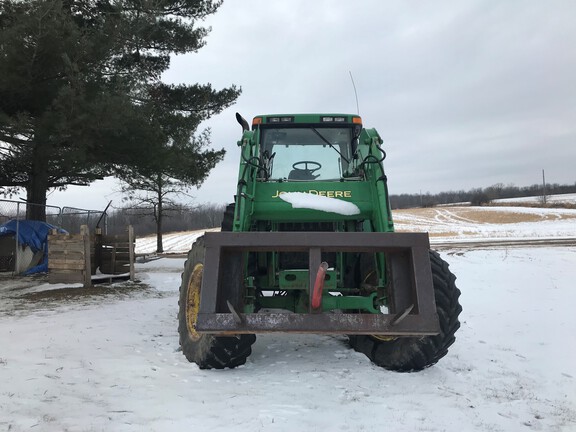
<point x="411" y="286"/>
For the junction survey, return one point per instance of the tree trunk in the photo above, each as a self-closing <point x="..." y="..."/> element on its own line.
<point x="37" y="184"/>
<point x="159" y="215"/>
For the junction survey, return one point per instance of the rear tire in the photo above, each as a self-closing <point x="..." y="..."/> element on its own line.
<point x="408" y="354"/>
<point x="207" y="351"/>
<point x="228" y="219"/>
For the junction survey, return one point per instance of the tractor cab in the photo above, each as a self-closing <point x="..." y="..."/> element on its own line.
<point x="307" y="147"/>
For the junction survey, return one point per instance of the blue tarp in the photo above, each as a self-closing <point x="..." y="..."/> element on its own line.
<point x="33" y="234"/>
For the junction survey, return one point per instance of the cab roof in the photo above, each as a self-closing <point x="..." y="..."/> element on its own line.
<point x="291" y="119"/>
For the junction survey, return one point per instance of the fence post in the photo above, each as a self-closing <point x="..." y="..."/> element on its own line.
<point x="131" y="245"/>
<point x="17" y="248"/>
<point x="87" y="264"/>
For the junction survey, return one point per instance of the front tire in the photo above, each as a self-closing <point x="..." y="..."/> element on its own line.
<point x="207" y="351"/>
<point x="408" y="354"/>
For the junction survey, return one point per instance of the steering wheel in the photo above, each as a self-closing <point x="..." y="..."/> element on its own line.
<point x="315" y="166"/>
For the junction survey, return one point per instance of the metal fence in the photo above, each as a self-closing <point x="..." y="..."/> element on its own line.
<point x="16" y="258"/>
<point x="72" y="218"/>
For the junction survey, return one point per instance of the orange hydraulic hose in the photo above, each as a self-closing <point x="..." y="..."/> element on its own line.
<point x="319" y="285"/>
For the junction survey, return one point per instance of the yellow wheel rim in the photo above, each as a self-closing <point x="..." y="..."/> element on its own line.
<point x="193" y="300"/>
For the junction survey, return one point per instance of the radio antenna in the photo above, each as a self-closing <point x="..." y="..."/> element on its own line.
<point x="355" y="93"/>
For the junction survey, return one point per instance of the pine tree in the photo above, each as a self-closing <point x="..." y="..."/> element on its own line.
<point x="77" y="78"/>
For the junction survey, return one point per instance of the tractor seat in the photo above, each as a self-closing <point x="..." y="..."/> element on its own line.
<point x="297" y="174"/>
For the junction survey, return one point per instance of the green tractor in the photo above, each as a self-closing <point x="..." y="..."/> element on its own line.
<point x="309" y="246"/>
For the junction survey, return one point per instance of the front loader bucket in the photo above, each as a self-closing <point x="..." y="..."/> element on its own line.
<point x="410" y="278"/>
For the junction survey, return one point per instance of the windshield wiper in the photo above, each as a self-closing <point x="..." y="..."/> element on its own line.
<point x="330" y="144"/>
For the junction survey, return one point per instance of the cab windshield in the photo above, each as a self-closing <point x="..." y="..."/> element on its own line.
<point x="307" y="153"/>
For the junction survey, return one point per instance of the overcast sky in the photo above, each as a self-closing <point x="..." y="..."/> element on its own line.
<point x="464" y="93"/>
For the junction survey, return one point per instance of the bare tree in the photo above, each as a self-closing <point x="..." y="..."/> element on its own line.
<point x="154" y="195"/>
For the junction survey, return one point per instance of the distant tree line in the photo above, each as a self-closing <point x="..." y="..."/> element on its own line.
<point x="177" y="218"/>
<point x="478" y="196"/>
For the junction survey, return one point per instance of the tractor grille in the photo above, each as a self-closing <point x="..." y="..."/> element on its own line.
<point x="307" y="226"/>
<point x="299" y="260"/>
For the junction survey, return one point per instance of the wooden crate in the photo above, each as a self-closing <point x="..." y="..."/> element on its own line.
<point x="116" y="253"/>
<point x="69" y="259"/>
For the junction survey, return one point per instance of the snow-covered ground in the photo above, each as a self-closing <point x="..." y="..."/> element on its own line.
<point x="550" y="199"/>
<point x="107" y="359"/>
<point x="179" y="242"/>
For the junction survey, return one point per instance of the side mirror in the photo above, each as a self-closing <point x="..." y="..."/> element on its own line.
<point x="355" y="148"/>
<point x="355" y="138"/>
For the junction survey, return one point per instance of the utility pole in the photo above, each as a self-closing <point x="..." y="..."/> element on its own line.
<point x="543" y="188"/>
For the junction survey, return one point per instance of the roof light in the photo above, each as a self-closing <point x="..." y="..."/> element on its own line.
<point x="357" y="120"/>
<point x="333" y="119"/>
<point x="279" y="119"/>
<point x="256" y="121"/>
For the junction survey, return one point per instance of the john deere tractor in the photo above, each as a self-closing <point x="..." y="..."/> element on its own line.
<point x="308" y="246"/>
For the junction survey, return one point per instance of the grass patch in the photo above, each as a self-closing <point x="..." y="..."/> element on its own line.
<point x="500" y="217"/>
<point x="478" y="215"/>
